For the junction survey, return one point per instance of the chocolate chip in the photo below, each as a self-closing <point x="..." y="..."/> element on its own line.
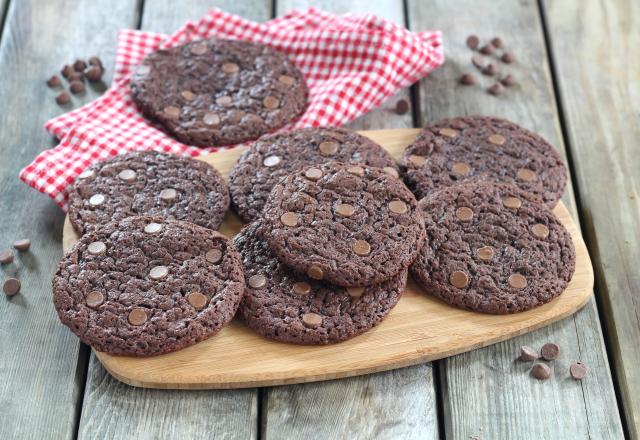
<point x="168" y="194"/>
<point x="486" y="253"/>
<point x="311" y="320"/>
<point x="54" y="81"/>
<point x="67" y="70"/>
<point x="495" y="89"/>
<point x="313" y="173"/>
<point x="459" y="279"/>
<point x="487" y="49"/>
<point x="213" y="256"/>
<point x="315" y="272"/>
<point x="496" y="42"/>
<point x="578" y="370"/>
<point x="137" y="316"/>
<point x="96" y="200"/>
<point x="526" y="174"/>
<point x="289" y="219"/>
<point x="158" y="272"/>
<point x="508" y="57"/>
<point x="345" y="210"/>
<point x="76" y="87"/>
<point x="540" y="231"/>
<point x="270" y="102"/>
<point x="171" y="111"/>
<point x="63" y="98"/>
<point x="356" y="170"/>
<point x="398" y="207"/>
<point x="391" y="171"/>
<point x="512" y="202"/>
<point x="95" y="61"/>
<point x="187" y="95"/>
<point x="508" y="80"/>
<point x="153" y="228"/>
<point x="517" y="281"/>
<point x="417" y="160"/>
<point x="199" y="48"/>
<point x="86" y="174"/>
<point x="257" y="281"/>
<point x="211" y="119"/>
<point x="224" y="101"/>
<point x="230" y="68"/>
<point x="448" y="132"/>
<point x="541" y="371"/>
<point x="93" y="73"/>
<point x="76" y="76"/>
<point x="197" y="300"/>
<point x="328" y="148"/>
<point x="461" y="168"/>
<point x="490" y="69"/>
<point x="97" y="248"/>
<point x="287" y="80"/>
<point x="361" y="247"/>
<point x="11" y="286"/>
<point x="302" y="288"/>
<point x="402" y="107"/>
<point x="465" y="214"/>
<point x="528" y="354"/>
<point x="79" y="66"/>
<point x="467" y="79"/>
<point x="94" y="299"/>
<point x="127" y="175"/>
<point x="355" y="292"/>
<point x="472" y="42"/>
<point x="550" y="351"/>
<point x="6" y="256"/>
<point x="22" y="245"/>
<point x="271" y="161"/>
<point x="477" y="61"/>
<point x="497" y="139"/>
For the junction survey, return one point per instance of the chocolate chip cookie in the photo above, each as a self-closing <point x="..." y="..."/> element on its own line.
<point x="148" y="183"/>
<point x="349" y="225"/>
<point x="146" y="285"/>
<point x="218" y="92"/>
<point x="492" y="248"/>
<point x="273" y="157"/>
<point x="287" y="306"/>
<point x="453" y="150"/>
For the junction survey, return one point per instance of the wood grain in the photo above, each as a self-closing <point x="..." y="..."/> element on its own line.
<point x="485" y="388"/>
<point x="596" y="52"/>
<point x="420" y="328"/>
<point x="112" y="409"/>
<point x="42" y="368"/>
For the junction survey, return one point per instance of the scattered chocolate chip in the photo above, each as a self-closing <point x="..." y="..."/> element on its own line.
<point x="328" y="148"/>
<point x="172" y="111"/>
<point x="472" y="42"/>
<point x="517" y="281"/>
<point x="6" y="256"/>
<point x="188" y="95"/>
<point x="287" y="80"/>
<point x="490" y="69"/>
<point x="461" y="169"/>
<point x="271" y="161"/>
<point x="508" y="80"/>
<point x="289" y="219"/>
<point x="67" y="70"/>
<point x="497" y="139"/>
<point x="448" y="132"/>
<point x="486" y="253"/>
<point x="213" y="256"/>
<point x="417" y="160"/>
<point x="550" y="351"/>
<point x="528" y="354"/>
<point x="311" y="320"/>
<point x="271" y="102"/>
<point x="224" y="101"/>
<point x="93" y="73"/>
<point x="302" y="288"/>
<point x="495" y="89"/>
<point x="315" y="272"/>
<point x="197" y="300"/>
<point x="86" y="174"/>
<point x="465" y="214"/>
<point x="11" y="286"/>
<point x="402" y="107"/>
<point x="459" y="279"/>
<point x="578" y="370"/>
<point x="496" y="42"/>
<point x="96" y="200"/>
<point x="199" y="48"/>
<point x="391" y="171"/>
<point x="541" y="371"/>
<point x="540" y="231"/>
<point x="127" y="175"/>
<point x="63" y="98"/>
<point x="230" y="68"/>
<point x="137" y="316"/>
<point x="95" y="61"/>
<point x="257" y="281"/>
<point x="313" y="174"/>
<point x="477" y="61"/>
<point x="153" y="228"/>
<point x="168" y="194"/>
<point x="356" y="170"/>
<point x="398" y="207"/>
<point x="512" y="202"/>
<point x="54" y="81"/>
<point x="361" y="247"/>
<point x="355" y="292"/>
<point x="345" y="210"/>
<point x="211" y="119"/>
<point x="467" y="79"/>
<point x="94" y="299"/>
<point x="97" y="248"/>
<point x="76" y="87"/>
<point x="158" y="272"/>
<point x="508" y="57"/>
<point x="79" y="66"/>
<point x="22" y="245"/>
<point x="487" y="49"/>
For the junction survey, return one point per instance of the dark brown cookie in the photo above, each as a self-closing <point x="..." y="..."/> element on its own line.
<point x="146" y="285"/>
<point x="350" y="225"/>
<point x="287" y="306"/>
<point x="148" y="183"/>
<point x="218" y="92"/>
<point x="275" y="156"/>
<point x="492" y="248"/>
<point x="453" y="150"/>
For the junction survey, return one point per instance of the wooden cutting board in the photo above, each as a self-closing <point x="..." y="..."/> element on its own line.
<point x="419" y="329"/>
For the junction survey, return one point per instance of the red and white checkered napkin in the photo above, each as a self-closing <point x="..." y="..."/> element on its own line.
<point x="351" y="64"/>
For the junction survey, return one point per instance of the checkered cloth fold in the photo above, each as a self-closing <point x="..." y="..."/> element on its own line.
<point x="351" y="63"/>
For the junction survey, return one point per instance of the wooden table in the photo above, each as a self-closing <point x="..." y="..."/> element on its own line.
<point x="579" y="72"/>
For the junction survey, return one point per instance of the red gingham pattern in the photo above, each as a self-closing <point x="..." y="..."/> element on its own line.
<point x="351" y="63"/>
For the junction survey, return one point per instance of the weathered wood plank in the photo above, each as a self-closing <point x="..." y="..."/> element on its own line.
<point x="41" y="371"/>
<point x="395" y="404"/>
<point x="487" y="393"/>
<point x="114" y="410"/>
<point x="596" y="51"/>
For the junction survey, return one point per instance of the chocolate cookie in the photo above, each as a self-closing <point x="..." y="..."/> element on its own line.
<point x="146" y="285"/>
<point x="492" y="248"/>
<point x="275" y="156"/>
<point x="453" y="150"/>
<point x="350" y="225"/>
<point x="291" y="307"/>
<point x="218" y="92"/>
<point x="148" y="183"/>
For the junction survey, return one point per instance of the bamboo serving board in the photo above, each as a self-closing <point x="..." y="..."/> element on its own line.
<point x="419" y="329"/>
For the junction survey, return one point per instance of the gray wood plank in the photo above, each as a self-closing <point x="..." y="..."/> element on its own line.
<point x="395" y="404"/>
<point x="488" y="393"/>
<point x="114" y="410"/>
<point x="41" y="371"/>
<point x="596" y="51"/>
